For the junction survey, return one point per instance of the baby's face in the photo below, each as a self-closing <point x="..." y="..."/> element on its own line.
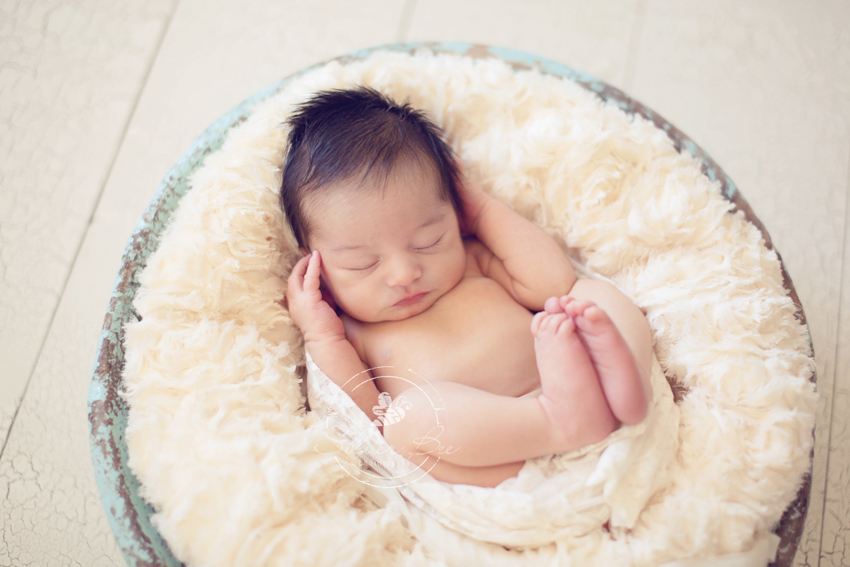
<point x="388" y="253"/>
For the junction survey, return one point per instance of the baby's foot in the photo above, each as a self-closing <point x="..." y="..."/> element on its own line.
<point x="606" y="347"/>
<point x="572" y="396"/>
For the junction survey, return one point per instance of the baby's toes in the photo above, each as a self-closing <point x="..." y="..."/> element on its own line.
<point x="553" y="306"/>
<point x="566" y="327"/>
<point x="594" y="320"/>
<point x="576" y="307"/>
<point x="536" y="321"/>
<point x="554" y="322"/>
<point x="595" y="314"/>
<point x="565" y="300"/>
<point x="547" y="325"/>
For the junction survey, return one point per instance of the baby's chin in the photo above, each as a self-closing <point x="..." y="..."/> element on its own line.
<point x="394" y="313"/>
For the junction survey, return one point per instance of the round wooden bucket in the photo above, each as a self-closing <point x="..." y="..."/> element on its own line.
<point x="128" y="514"/>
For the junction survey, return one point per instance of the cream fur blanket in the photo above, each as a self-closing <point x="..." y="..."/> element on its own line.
<point x="241" y="474"/>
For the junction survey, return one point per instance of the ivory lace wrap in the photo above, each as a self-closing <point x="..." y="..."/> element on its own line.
<point x="559" y="496"/>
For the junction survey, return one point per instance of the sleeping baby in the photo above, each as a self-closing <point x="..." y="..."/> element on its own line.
<point x="407" y="264"/>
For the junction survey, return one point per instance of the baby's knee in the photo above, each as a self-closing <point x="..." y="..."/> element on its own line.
<point x="597" y="291"/>
<point x="620" y="308"/>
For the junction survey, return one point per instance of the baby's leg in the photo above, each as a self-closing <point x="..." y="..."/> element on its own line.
<point x="479" y="429"/>
<point x="571" y="391"/>
<point x="445" y="471"/>
<point x="619" y="342"/>
<point x="474" y="427"/>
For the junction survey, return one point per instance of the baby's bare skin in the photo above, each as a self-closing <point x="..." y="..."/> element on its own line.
<point x="563" y="408"/>
<point x="475" y="334"/>
<point x="512" y="385"/>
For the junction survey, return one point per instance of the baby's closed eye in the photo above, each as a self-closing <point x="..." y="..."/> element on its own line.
<point x="370" y="264"/>
<point x="431" y="246"/>
<point x="364" y="268"/>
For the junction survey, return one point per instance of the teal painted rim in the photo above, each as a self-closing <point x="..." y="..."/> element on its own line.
<point x="128" y="514"/>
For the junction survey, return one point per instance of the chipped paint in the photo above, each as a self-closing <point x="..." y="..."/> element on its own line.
<point x="128" y="514"/>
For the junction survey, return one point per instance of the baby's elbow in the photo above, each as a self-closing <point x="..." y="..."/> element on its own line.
<point x="557" y="283"/>
<point x="535" y="298"/>
<point x="560" y="278"/>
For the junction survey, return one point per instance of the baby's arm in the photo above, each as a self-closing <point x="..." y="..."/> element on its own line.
<point x="324" y="335"/>
<point x="519" y="255"/>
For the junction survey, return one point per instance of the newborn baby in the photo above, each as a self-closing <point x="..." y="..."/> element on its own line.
<point x="408" y="265"/>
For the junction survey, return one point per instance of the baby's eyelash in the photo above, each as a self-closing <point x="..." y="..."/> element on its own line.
<point x="429" y="248"/>
<point x="424" y="249"/>
<point x="370" y="266"/>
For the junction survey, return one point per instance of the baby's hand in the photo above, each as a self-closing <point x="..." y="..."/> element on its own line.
<point x="313" y="315"/>
<point x="474" y="201"/>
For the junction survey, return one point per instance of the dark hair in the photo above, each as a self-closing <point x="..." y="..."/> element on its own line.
<point x="338" y="134"/>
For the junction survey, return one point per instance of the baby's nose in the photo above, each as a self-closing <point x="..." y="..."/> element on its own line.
<point x="404" y="270"/>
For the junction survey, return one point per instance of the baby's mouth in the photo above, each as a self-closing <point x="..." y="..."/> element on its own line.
<point x="410" y="299"/>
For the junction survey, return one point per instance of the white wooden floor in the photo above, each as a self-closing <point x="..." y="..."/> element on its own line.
<point x="99" y="98"/>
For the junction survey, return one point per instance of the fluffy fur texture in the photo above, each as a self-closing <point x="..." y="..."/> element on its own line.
<point x="218" y="434"/>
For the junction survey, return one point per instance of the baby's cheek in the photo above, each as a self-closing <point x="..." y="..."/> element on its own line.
<point x="355" y="300"/>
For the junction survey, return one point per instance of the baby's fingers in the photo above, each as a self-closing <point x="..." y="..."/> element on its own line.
<point x="297" y="275"/>
<point x="314" y="269"/>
